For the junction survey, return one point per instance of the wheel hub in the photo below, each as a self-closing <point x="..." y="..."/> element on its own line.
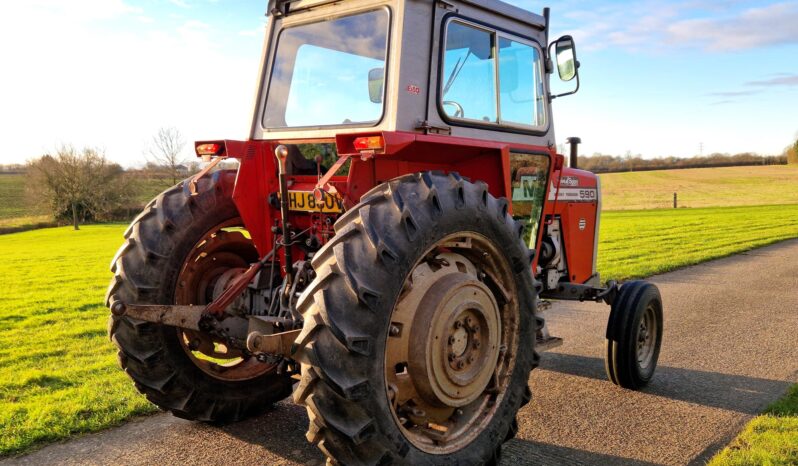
<point x="215" y="261"/>
<point x="454" y="341"/>
<point x="451" y="343"/>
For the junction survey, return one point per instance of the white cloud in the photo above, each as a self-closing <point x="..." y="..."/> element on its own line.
<point x="180" y="3"/>
<point x="650" y="25"/>
<point x="783" y="80"/>
<point x="755" y="27"/>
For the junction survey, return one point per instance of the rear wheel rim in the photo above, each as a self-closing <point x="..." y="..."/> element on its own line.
<point x="452" y="343"/>
<point x="216" y="259"/>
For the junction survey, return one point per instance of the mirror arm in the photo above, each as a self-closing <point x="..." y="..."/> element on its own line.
<point x="552" y="97"/>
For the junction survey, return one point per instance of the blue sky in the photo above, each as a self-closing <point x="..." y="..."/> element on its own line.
<point x="658" y="78"/>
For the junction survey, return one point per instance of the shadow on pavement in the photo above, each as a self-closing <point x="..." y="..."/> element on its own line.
<point x="281" y="431"/>
<point x="747" y="395"/>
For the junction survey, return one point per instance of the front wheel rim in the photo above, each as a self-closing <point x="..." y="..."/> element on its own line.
<point x="646" y="337"/>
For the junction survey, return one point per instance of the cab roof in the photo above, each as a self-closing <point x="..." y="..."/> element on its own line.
<point x="287" y="7"/>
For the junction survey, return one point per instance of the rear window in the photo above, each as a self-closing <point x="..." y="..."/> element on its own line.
<point x="329" y="73"/>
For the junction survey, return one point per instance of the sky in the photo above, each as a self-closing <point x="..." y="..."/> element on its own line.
<point x="658" y="79"/>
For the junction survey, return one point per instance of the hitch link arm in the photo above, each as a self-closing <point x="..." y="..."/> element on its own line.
<point x="190" y="317"/>
<point x="192" y="184"/>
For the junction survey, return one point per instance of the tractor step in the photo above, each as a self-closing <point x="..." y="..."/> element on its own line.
<point x="543" y="345"/>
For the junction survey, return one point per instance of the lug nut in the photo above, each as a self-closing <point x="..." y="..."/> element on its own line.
<point x="451" y="340"/>
<point x="477" y="344"/>
<point x="457" y="324"/>
<point x="470" y="359"/>
<point x="460" y="364"/>
<point x="476" y="328"/>
<point x="469" y="321"/>
<point x="194" y="344"/>
<point x="451" y="357"/>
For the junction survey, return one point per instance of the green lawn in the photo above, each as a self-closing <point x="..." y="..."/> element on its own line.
<point x="771" y="438"/>
<point x="58" y="373"/>
<point x="642" y="243"/>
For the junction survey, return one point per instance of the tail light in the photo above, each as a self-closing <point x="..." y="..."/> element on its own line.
<point x="207" y="149"/>
<point x="369" y="143"/>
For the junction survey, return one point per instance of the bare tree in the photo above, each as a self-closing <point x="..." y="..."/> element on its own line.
<point x="165" y="151"/>
<point x="79" y="184"/>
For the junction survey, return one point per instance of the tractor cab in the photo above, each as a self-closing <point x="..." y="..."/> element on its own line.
<point x="359" y="92"/>
<point x="462" y="68"/>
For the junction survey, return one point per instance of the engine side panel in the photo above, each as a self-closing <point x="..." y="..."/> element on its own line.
<point x="576" y="201"/>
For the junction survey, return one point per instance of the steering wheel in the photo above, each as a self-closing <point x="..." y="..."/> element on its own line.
<point x="459" y="112"/>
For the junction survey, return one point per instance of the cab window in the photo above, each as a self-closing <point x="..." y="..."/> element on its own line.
<point x="491" y="78"/>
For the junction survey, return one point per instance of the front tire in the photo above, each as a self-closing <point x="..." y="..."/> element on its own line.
<point x="173" y="253"/>
<point x="451" y="240"/>
<point x="634" y="335"/>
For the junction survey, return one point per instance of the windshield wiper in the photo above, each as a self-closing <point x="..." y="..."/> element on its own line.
<point x="456" y="72"/>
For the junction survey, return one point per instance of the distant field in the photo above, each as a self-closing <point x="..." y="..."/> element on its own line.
<point x="17" y="212"/>
<point x="13" y="202"/>
<point x="701" y="187"/>
<point x="58" y="373"/>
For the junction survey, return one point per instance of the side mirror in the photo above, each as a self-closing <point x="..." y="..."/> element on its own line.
<point x="566" y="58"/>
<point x="376" y="84"/>
<point x="567" y="64"/>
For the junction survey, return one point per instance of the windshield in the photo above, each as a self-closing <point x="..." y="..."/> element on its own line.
<point x="329" y="73"/>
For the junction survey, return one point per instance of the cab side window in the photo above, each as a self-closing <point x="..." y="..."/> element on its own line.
<point x="469" y="70"/>
<point x="491" y="78"/>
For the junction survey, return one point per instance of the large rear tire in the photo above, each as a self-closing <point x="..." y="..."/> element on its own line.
<point x="452" y="240"/>
<point x="174" y="252"/>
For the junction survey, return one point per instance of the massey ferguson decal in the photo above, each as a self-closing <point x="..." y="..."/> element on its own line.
<point x="573" y="194"/>
<point x="570" y="181"/>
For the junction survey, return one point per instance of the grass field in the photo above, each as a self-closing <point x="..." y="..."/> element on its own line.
<point x="58" y="373"/>
<point x="771" y="438"/>
<point x="642" y="243"/>
<point x="701" y="187"/>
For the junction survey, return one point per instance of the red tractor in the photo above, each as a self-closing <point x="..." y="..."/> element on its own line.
<point x="397" y="215"/>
